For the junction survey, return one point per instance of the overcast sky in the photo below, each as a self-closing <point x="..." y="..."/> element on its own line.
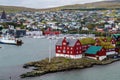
<point x="43" y="3"/>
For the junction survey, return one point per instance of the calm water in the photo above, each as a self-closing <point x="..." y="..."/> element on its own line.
<point x="13" y="57"/>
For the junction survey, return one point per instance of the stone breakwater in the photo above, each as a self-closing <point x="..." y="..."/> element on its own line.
<point x="58" y="64"/>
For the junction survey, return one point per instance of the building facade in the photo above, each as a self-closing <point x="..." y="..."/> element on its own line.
<point x="49" y="31"/>
<point x="70" y="48"/>
<point x="96" y="52"/>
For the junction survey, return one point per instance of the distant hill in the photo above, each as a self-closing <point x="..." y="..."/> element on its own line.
<point x="101" y="4"/>
<point x="15" y="9"/>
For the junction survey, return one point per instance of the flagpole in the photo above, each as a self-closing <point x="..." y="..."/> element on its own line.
<point x="50" y="45"/>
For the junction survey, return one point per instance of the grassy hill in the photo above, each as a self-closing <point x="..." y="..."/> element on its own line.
<point x="102" y="4"/>
<point x="15" y="9"/>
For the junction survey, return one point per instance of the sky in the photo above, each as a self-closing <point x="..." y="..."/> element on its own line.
<point x="43" y="3"/>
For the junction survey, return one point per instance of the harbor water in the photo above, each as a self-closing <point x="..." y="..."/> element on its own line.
<point x="13" y="57"/>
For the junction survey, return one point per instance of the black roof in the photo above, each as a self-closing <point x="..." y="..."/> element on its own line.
<point x="3" y="16"/>
<point x="71" y="42"/>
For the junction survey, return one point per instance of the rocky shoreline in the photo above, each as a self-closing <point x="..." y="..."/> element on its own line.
<point x="58" y="64"/>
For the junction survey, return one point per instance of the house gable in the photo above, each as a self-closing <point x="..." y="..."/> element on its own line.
<point x="69" y="48"/>
<point x="64" y="42"/>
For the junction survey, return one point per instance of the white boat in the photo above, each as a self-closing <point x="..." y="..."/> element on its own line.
<point x="10" y="40"/>
<point x="41" y="37"/>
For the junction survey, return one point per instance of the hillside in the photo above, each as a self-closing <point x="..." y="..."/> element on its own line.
<point x="102" y="4"/>
<point x="15" y="9"/>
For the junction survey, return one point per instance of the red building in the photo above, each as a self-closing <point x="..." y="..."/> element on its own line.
<point x="109" y="51"/>
<point x="70" y="48"/>
<point x="98" y="41"/>
<point x="113" y="42"/>
<point x="96" y="52"/>
<point x="49" y="31"/>
<point x="85" y="47"/>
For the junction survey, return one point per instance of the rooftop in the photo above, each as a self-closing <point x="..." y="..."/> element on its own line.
<point x="93" y="49"/>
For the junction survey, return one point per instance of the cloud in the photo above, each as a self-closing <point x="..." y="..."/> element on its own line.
<point x="51" y="3"/>
<point x="112" y="0"/>
<point x="43" y="3"/>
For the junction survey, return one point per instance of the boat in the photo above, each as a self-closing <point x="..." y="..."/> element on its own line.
<point x="10" y="40"/>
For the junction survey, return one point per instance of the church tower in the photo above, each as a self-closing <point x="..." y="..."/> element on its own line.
<point x="3" y="17"/>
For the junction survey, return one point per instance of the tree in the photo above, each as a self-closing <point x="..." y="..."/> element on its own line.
<point x="1" y="28"/>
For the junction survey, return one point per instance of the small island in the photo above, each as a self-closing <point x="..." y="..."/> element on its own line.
<point x="58" y="64"/>
<point x="77" y="54"/>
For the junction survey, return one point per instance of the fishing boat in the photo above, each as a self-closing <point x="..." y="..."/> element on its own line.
<point x="10" y="40"/>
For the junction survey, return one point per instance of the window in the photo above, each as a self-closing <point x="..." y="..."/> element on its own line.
<point x="80" y="51"/>
<point x="64" y="51"/>
<point x="58" y="51"/>
<point x="67" y="51"/>
<point x="64" y="43"/>
<point x="78" y="43"/>
<point x="60" y="47"/>
<point x="71" y="48"/>
<point x="67" y="47"/>
<point x="80" y="47"/>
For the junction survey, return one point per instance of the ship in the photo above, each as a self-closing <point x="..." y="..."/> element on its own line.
<point x="10" y="40"/>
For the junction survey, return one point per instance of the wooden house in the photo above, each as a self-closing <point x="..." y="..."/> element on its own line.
<point x="96" y="52"/>
<point x="70" y="48"/>
<point x="49" y="31"/>
<point x="113" y="42"/>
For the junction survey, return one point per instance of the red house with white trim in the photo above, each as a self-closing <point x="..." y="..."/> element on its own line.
<point x="71" y="48"/>
<point x="98" y="42"/>
<point x="113" y="42"/>
<point x="96" y="52"/>
<point x="49" y="31"/>
<point x="109" y="51"/>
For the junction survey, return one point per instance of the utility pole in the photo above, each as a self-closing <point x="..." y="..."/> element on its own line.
<point x="50" y="51"/>
<point x="10" y="78"/>
<point x="78" y="29"/>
